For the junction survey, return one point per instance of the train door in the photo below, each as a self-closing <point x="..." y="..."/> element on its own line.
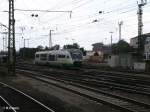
<point x="52" y="59"/>
<point x="43" y="58"/>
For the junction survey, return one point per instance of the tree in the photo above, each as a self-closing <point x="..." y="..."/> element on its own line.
<point x="121" y="47"/>
<point x="46" y="48"/>
<point x="55" y="47"/>
<point x="40" y="47"/>
<point x="75" y="46"/>
<point x="83" y="51"/>
<point x="27" y="53"/>
<point x="71" y="46"/>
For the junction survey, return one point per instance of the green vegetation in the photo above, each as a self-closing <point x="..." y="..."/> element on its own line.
<point x="121" y="47"/>
<point x="27" y="52"/>
<point x="75" y="46"/>
<point x="71" y="46"/>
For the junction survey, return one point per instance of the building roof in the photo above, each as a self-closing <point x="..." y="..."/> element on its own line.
<point x="143" y="35"/>
<point x="98" y="44"/>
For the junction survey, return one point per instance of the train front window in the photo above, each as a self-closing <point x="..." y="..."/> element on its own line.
<point x="76" y="55"/>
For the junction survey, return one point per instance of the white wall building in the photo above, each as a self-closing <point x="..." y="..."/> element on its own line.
<point x="146" y="46"/>
<point x="134" y="42"/>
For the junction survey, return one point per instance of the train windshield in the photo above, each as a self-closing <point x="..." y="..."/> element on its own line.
<point x="76" y="55"/>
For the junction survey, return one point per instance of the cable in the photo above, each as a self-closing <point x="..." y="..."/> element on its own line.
<point x="85" y="3"/>
<point x="122" y="12"/>
<point x="3" y="25"/>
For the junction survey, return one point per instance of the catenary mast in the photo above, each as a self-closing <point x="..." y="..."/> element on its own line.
<point x="140" y="25"/>
<point x="11" y="40"/>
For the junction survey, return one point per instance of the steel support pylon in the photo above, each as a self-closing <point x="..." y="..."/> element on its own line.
<point x="11" y="40"/>
<point x="140" y="29"/>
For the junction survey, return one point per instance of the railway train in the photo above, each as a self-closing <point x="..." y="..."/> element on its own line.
<point x="72" y="57"/>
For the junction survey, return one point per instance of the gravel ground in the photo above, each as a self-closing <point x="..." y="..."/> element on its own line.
<point x="56" y="98"/>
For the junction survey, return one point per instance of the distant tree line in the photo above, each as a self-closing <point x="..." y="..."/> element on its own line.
<point x="75" y="46"/>
<point x="29" y="53"/>
<point x="121" y="47"/>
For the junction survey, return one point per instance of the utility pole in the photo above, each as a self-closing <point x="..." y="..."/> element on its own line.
<point x="28" y="42"/>
<point x="140" y="26"/>
<point x="11" y="40"/>
<point x="22" y="34"/>
<point x="50" y="38"/>
<point x="3" y="43"/>
<point x="25" y="42"/>
<point x="4" y="40"/>
<point x="120" y="25"/>
<point x="24" y="50"/>
<point x="111" y="38"/>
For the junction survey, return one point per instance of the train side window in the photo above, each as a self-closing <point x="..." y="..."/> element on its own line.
<point x="61" y="56"/>
<point x="51" y="57"/>
<point x="67" y="56"/>
<point x="37" y="55"/>
<point x="43" y="57"/>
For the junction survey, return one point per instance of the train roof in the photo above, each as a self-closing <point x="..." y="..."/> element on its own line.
<point x="53" y="51"/>
<point x="66" y="51"/>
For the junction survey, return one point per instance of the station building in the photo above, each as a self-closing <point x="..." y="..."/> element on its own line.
<point x="145" y="45"/>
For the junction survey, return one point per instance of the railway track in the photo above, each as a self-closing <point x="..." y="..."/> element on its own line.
<point x="136" y="78"/>
<point x="13" y="100"/>
<point x="113" y="80"/>
<point x="4" y="105"/>
<point x="116" y="101"/>
<point x="107" y="84"/>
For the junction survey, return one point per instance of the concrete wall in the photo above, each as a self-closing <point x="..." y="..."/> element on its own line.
<point x="113" y="61"/>
<point x="123" y="60"/>
<point x="126" y="60"/>
<point x="139" y="66"/>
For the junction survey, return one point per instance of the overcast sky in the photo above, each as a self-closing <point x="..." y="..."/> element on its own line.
<point x="79" y="27"/>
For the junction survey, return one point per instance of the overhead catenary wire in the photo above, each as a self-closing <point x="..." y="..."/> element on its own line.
<point x="80" y="19"/>
<point x="103" y="13"/>
<point x="54" y="18"/>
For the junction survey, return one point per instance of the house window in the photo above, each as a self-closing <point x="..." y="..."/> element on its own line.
<point x="149" y="56"/>
<point x="144" y="56"/>
<point x="146" y="42"/>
